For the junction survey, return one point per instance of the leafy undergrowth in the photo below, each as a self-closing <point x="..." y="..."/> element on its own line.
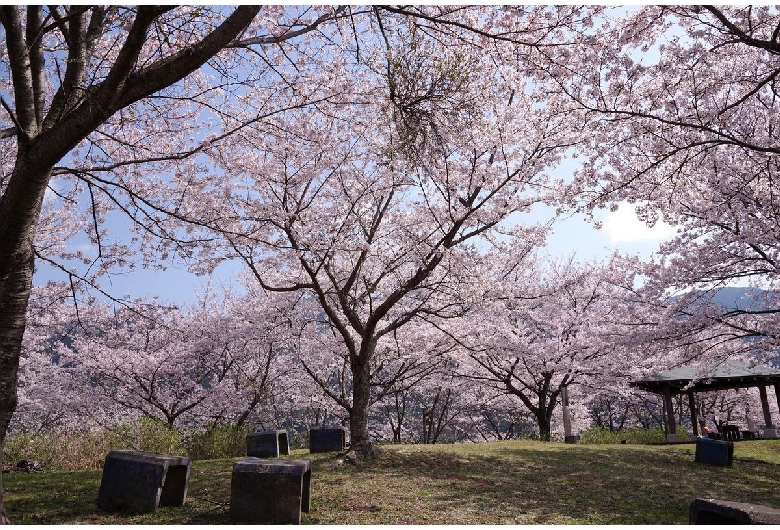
<point x="511" y="482"/>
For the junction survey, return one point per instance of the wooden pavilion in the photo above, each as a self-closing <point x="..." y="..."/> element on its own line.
<point x="731" y="374"/>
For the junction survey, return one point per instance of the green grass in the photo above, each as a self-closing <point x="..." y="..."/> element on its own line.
<point x="510" y="482"/>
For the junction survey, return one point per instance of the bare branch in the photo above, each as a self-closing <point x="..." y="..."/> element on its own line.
<point x="290" y="34"/>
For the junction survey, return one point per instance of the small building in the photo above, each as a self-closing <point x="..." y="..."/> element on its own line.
<point x="728" y="375"/>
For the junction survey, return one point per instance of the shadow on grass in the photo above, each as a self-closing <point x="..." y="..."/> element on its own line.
<point x="496" y="483"/>
<point x="70" y="497"/>
<point x="555" y="485"/>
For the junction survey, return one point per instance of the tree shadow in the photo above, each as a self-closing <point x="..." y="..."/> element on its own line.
<point x="583" y="485"/>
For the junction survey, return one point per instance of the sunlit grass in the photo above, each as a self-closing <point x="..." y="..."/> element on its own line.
<point x="510" y="482"/>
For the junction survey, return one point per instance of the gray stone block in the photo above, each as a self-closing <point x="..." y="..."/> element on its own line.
<point x="267" y="444"/>
<point x="714" y="511"/>
<point x="270" y="491"/>
<point x="327" y="439"/>
<point x="141" y="481"/>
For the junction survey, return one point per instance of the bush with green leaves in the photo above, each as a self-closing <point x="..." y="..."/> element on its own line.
<point x="87" y="448"/>
<point x="597" y="435"/>
<point x="222" y="441"/>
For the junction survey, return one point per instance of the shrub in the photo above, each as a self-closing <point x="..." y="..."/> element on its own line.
<point x="222" y="441"/>
<point x="62" y="450"/>
<point x="597" y="435"/>
<point x="87" y="448"/>
<point x="150" y="434"/>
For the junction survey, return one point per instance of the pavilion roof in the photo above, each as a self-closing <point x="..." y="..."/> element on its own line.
<point x="730" y="374"/>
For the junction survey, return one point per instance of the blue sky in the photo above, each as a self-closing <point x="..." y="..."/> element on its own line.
<point x="621" y="231"/>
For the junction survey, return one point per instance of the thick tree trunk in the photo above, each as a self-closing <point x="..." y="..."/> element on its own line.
<point x="361" y="399"/>
<point x="360" y="365"/>
<point x="544" y="427"/>
<point x="543" y="413"/>
<point x="14" y="293"/>
<point x="20" y="208"/>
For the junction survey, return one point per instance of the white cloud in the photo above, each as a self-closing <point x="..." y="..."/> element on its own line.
<point x="622" y="225"/>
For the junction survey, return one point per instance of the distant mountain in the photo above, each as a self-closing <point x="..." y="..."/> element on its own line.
<point x="731" y="298"/>
<point x="735" y="298"/>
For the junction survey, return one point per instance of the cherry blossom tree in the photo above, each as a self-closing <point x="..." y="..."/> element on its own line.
<point x="264" y="369"/>
<point x="438" y="404"/>
<point x="422" y="148"/>
<point x="430" y="412"/>
<point x="193" y="367"/>
<point x="492" y="414"/>
<point x="44" y="402"/>
<point x="545" y="326"/>
<point x="420" y="396"/>
<point x="682" y="103"/>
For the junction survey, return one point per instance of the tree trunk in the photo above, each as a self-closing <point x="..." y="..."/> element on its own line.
<point x="544" y="411"/>
<point x="396" y="432"/>
<point x="15" y="289"/>
<point x="360" y="365"/>
<point x="400" y="411"/>
<point x="544" y="427"/>
<point x="19" y="210"/>
<point x="361" y="399"/>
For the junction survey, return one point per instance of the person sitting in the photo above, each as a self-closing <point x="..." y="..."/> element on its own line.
<point x="705" y="432"/>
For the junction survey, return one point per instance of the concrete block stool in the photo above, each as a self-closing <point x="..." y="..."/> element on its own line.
<point x="270" y="491"/>
<point x="715" y="452"/>
<point x="265" y="444"/>
<point x="714" y="511"/>
<point x="141" y="481"/>
<point x="327" y="439"/>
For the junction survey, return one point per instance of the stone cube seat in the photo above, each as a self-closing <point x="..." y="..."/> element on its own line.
<point x="715" y="452"/>
<point x="714" y="511"/>
<point x="327" y="439"/>
<point x="264" y="491"/>
<point x="141" y="481"/>
<point x="265" y="444"/>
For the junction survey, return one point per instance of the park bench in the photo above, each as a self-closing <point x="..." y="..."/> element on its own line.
<point x="266" y="491"/>
<point x="267" y="444"/>
<point x="714" y="511"/>
<point x="141" y="481"/>
<point x="731" y="432"/>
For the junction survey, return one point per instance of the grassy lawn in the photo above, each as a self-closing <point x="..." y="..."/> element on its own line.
<point x="514" y="482"/>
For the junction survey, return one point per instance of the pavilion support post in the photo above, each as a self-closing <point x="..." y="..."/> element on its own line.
<point x="777" y="394"/>
<point x="694" y="418"/>
<point x="671" y="424"/>
<point x="566" y="414"/>
<point x="769" y="429"/>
